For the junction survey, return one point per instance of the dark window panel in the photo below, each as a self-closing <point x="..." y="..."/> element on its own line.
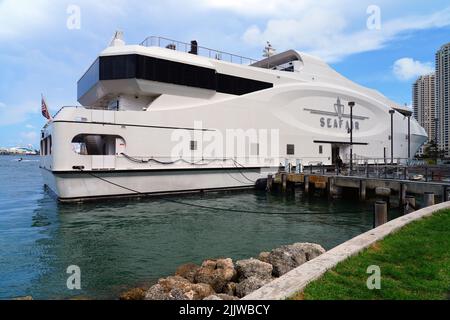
<point x="160" y="70"/>
<point x="290" y="149"/>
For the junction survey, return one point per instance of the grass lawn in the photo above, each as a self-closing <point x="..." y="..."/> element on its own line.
<point x="414" y="263"/>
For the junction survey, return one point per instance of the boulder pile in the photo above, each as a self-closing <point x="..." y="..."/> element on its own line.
<point x="221" y="279"/>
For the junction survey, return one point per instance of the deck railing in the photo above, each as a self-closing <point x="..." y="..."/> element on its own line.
<point x="201" y="51"/>
<point x="414" y="171"/>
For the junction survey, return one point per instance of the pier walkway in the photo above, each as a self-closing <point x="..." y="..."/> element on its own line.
<point x="383" y="181"/>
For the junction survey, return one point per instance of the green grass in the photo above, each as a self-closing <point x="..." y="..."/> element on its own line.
<point x="414" y="263"/>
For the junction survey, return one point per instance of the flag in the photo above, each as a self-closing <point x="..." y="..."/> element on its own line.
<point x="44" y="109"/>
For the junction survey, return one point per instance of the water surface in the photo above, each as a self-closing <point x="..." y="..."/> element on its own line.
<point x="122" y="244"/>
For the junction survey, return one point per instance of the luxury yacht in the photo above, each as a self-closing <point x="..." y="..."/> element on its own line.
<point x="172" y="117"/>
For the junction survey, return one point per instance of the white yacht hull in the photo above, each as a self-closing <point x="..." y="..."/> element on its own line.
<point x="80" y="186"/>
<point x="160" y="121"/>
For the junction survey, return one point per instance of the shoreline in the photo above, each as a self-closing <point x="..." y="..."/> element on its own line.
<point x="297" y="280"/>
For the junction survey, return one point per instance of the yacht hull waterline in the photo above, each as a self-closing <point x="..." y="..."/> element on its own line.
<point x="156" y="121"/>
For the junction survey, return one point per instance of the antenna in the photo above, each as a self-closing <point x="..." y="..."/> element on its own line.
<point x="268" y="52"/>
<point x="118" y="39"/>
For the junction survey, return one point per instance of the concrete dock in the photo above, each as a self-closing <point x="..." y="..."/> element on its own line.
<point x="334" y="185"/>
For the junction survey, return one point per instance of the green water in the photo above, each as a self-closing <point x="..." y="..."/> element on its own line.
<point x="123" y="244"/>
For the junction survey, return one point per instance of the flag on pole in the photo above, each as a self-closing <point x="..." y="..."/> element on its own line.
<point x="44" y="109"/>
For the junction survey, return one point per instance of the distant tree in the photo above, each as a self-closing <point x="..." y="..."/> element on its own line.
<point x="432" y="152"/>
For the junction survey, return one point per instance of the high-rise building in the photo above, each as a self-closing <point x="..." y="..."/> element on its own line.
<point x="442" y="97"/>
<point x="424" y="104"/>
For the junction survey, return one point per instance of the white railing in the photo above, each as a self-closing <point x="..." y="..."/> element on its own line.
<point x="201" y="51"/>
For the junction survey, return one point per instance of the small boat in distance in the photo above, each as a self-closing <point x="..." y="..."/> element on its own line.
<point x="172" y="117"/>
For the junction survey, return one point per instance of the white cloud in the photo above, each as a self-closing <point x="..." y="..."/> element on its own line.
<point x="30" y="137"/>
<point x="254" y="8"/>
<point x="28" y="18"/>
<point x="326" y="33"/>
<point x="19" y="17"/>
<point x="29" y="126"/>
<point x="18" y="113"/>
<point x="408" y="68"/>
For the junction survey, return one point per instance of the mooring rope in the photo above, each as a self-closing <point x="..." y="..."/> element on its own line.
<point x="203" y="162"/>
<point x="203" y="206"/>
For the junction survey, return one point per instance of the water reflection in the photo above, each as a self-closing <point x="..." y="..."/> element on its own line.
<point x="119" y="244"/>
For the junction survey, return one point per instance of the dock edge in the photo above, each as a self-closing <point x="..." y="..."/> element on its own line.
<point x="298" y="279"/>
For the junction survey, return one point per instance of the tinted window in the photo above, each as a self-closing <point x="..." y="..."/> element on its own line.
<point x="160" y="70"/>
<point x="118" y="67"/>
<point x="290" y="149"/>
<point x="89" y="79"/>
<point x="239" y="86"/>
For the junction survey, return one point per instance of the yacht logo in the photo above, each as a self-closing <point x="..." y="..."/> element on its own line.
<point x="339" y="108"/>
<point x="337" y="119"/>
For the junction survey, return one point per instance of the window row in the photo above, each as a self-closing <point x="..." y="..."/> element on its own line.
<point x="46" y="146"/>
<point x="290" y="149"/>
<point x="160" y="70"/>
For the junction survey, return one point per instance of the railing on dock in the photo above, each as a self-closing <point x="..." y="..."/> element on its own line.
<point x="401" y="169"/>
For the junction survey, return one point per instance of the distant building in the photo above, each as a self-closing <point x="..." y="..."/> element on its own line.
<point x="442" y="97"/>
<point x="19" y="151"/>
<point x="424" y="105"/>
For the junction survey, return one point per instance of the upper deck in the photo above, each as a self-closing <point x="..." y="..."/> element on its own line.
<point x="194" y="48"/>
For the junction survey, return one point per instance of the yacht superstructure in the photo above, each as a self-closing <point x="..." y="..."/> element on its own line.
<point x="166" y="116"/>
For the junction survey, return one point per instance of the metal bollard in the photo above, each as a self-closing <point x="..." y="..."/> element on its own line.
<point x="380" y="214"/>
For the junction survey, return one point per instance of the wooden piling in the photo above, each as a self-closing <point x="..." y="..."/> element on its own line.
<point x="402" y="194"/>
<point x="269" y="183"/>
<point x="428" y="198"/>
<point x="380" y="214"/>
<point x="410" y="204"/>
<point x="362" y="190"/>
<point x="330" y="188"/>
<point x="283" y="182"/>
<point x="306" y="184"/>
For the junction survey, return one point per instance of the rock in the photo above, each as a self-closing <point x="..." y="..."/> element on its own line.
<point x="264" y="257"/>
<point x="221" y="296"/>
<point x="188" y="271"/>
<point x="230" y="289"/>
<point x="249" y="285"/>
<point x="157" y="292"/>
<point x="213" y="297"/>
<point x="216" y="273"/>
<point x="283" y="261"/>
<point x="178" y="288"/>
<point x="287" y="258"/>
<point x="311" y="250"/>
<point x="133" y="294"/>
<point x="27" y="298"/>
<point x="253" y="268"/>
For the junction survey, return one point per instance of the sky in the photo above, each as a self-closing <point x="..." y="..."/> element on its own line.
<point x="47" y="45"/>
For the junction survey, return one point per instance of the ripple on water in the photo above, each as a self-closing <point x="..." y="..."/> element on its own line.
<point x="121" y="244"/>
